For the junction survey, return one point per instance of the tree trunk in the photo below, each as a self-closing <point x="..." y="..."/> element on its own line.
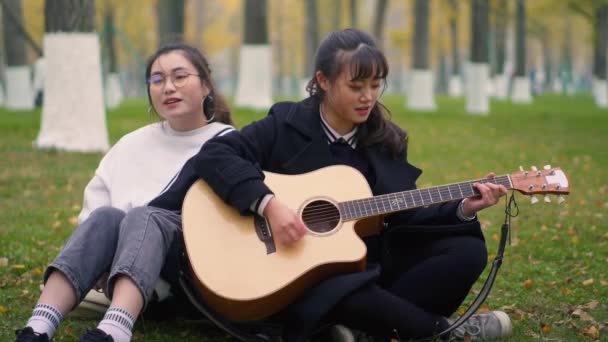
<point x="354" y="13"/>
<point x="454" y="37"/>
<point x="599" y="60"/>
<point x="501" y="35"/>
<point x="565" y="69"/>
<point x="455" y="87"/>
<point x="19" y="95"/>
<point x="380" y="15"/>
<point x="312" y="36"/>
<point x="110" y="46"/>
<point x="548" y="70"/>
<point x="69" y="16"/>
<point x="477" y="101"/>
<point x="520" y="39"/>
<point x="311" y="41"/>
<point x="13" y="41"/>
<point x="421" y="86"/>
<point x="170" y="14"/>
<point x="254" y="87"/>
<point x="201" y="8"/>
<point x="521" y="86"/>
<point x="420" y="51"/>
<point x="500" y="43"/>
<point x="337" y="15"/>
<point x="73" y="116"/>
<point x="256" y="19"/>
<point x="479" y="31"/>
<point x="600" y="42"/>
<point x="113" y="88"/>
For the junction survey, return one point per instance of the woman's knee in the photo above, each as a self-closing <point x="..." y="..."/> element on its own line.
<point x="107" y="213"/>
<point x="473" y="252"/>
<point x="102" y="225"/>
<point x="152" y="220"/>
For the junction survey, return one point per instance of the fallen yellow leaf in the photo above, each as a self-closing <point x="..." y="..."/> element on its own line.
<point x="3" y="262"/>
<point x="528" y="283"/>
<point x="588" y="282"/>
<point x="583" y="315"/>
<point x="3" y="309"/>
<point x="18" y="267"/>
<point x="592" y="331"/>
<point x="545" y="328"/>
<point x="591" y="305"/>
<point x="73" y="220"/>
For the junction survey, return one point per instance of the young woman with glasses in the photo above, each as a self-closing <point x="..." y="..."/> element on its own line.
<point x="136" y="169"/>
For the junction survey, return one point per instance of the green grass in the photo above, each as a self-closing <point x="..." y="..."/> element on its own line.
<point x="554" y="267"/>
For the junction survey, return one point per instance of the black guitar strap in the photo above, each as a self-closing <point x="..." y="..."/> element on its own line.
<point x="511" y="210"/>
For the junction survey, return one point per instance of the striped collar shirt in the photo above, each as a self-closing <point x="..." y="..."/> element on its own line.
<point x="332" y="136"/>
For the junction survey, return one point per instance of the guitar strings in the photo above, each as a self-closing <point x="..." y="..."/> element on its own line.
<point x="326" y="212"/>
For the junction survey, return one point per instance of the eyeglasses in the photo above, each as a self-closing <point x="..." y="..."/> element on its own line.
<point x="178" y="78"/>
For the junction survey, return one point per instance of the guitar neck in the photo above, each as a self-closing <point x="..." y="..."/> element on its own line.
<point x="399" y="201"/>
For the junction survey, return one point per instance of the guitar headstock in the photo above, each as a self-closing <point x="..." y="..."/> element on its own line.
<point x="546" y="181"/>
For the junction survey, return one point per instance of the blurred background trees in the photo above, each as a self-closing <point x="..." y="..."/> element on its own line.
<point x="532" y="47"/>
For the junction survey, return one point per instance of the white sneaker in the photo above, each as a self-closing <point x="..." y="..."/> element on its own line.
<point x="484" y="327"/>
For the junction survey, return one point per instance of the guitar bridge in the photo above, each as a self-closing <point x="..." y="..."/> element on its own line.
<point x="264" y="233"/>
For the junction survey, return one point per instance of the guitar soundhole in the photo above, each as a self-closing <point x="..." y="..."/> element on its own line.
<point x="321" y="216"/>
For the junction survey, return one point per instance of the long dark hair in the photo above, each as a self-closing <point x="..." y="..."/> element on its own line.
<point x="214" y="105"/>
<point x="358" y="50"/>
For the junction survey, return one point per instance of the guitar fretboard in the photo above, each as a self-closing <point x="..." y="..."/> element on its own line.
<point x="398" y="201"/>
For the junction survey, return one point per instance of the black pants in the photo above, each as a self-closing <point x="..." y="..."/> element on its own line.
<point x="424" y="279"/>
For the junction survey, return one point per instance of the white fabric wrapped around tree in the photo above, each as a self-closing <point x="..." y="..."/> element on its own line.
<point x="254" y="87"/>
<point x="19" y="94"/>
<point x="420" y="95"/>
<point x="455" y="87"/>
<point x="600" y="92"/>
<point x="501" y="87"/>
<point x="1" y="95"/>
<point x="114" y="95"/>
<point x="521" y="90"/>
<point x="477" y="100"/>
<point x="73" y="114"/>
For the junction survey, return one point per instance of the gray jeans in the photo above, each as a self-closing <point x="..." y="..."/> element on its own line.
<point x="142" y="244"/>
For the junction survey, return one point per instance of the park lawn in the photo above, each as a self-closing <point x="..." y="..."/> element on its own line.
<point x="553" y="281"/>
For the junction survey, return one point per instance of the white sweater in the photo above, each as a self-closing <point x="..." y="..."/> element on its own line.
<point x="141" y="164"/>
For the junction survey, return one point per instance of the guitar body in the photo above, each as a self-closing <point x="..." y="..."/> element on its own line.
<point x="243" y="274"/>
<point x="245" y="278"/>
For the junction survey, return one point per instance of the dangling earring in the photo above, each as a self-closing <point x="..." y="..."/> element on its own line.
<point x="208" y="120"/>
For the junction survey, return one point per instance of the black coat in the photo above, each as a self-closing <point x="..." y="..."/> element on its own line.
<point x="290" y="141"/>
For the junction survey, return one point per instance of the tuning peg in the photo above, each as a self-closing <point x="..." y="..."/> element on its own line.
<point x="533" y="199"/>
<point x="560" y="199"/>
<point x="521" y="168"/>
<point x="533" y="168"/>
<point x="547" y="199"/>
<point x="547" y="167"/>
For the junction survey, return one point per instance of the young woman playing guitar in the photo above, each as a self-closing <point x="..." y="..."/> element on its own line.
<point x="423" y="263"/>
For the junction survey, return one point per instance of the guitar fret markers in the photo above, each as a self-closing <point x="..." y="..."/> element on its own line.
<point x="384" y="204"/>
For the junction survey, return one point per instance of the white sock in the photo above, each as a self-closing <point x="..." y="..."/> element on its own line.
<point x="45" y="319"/>
<point x="117" y="323"/>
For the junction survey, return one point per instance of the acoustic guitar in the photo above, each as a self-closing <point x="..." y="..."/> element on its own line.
<point x="244" y="275"/>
